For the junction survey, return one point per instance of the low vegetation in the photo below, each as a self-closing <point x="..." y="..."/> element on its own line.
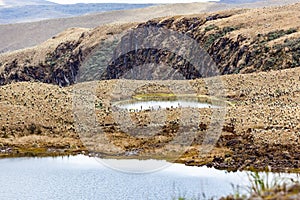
<point x="267" y="186"/>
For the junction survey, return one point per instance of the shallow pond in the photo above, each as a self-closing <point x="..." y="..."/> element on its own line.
<point x="138" y="106"/>
<point x="82" y="177"/>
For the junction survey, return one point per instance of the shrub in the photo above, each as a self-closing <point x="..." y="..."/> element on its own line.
<point x="211" y="27"/>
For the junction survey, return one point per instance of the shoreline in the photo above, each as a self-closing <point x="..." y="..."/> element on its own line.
<point x="260" y="128"/>
<point x="285" y="188"/>
<point x="44" y="152"/>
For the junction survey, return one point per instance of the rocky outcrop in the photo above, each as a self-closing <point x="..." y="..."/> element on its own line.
<point x="60" y="68"/>
<point x="240" y="54"/>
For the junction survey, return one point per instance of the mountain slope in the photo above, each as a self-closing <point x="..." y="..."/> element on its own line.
<point x="261" y="123"/>
<point x="16" y="12"/>
<point x="22" y="35"/>
<point x="266" y="39"/>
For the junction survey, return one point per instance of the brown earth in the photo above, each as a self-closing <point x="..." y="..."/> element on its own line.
<point x="261" y="125"/>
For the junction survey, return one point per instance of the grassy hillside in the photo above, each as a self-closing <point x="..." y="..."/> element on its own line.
<point x="261" y="126"/>
<point x="34" y="33"/>
<point x="266" y="39"/>
<point x="256" y="51"/>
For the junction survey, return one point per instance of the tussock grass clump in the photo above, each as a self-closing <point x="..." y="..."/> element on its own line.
<point x="267" y="186"/>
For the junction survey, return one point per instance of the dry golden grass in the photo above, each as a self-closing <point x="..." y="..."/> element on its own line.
<point x="265" y="105"/>
<point x="255" y="21"/>
<point x="24" y="35"/>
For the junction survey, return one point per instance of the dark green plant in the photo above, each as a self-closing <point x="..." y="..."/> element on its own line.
<point x="211" y="27"/>
<point x="276" y="34"/>
<point x="291" y="30"/>
<point x="99" y="105"/>
<point x="217" y="35"/>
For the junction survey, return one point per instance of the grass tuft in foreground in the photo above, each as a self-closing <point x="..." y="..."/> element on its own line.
<point x="268" y="186"/>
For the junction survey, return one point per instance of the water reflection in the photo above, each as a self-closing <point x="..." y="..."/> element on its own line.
<point x="82" y="177"/>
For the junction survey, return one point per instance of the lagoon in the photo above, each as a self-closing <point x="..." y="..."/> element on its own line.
<point x="83" y="177"/>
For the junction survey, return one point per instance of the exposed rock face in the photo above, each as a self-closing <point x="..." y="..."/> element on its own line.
<point x="232" y="40"/>
<point x="60" y="67"/>
<point x="240" y="54"/>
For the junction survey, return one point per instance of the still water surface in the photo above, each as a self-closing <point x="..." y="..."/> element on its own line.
<point x="157" y="105"/>
<point x="82" y="177"/>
